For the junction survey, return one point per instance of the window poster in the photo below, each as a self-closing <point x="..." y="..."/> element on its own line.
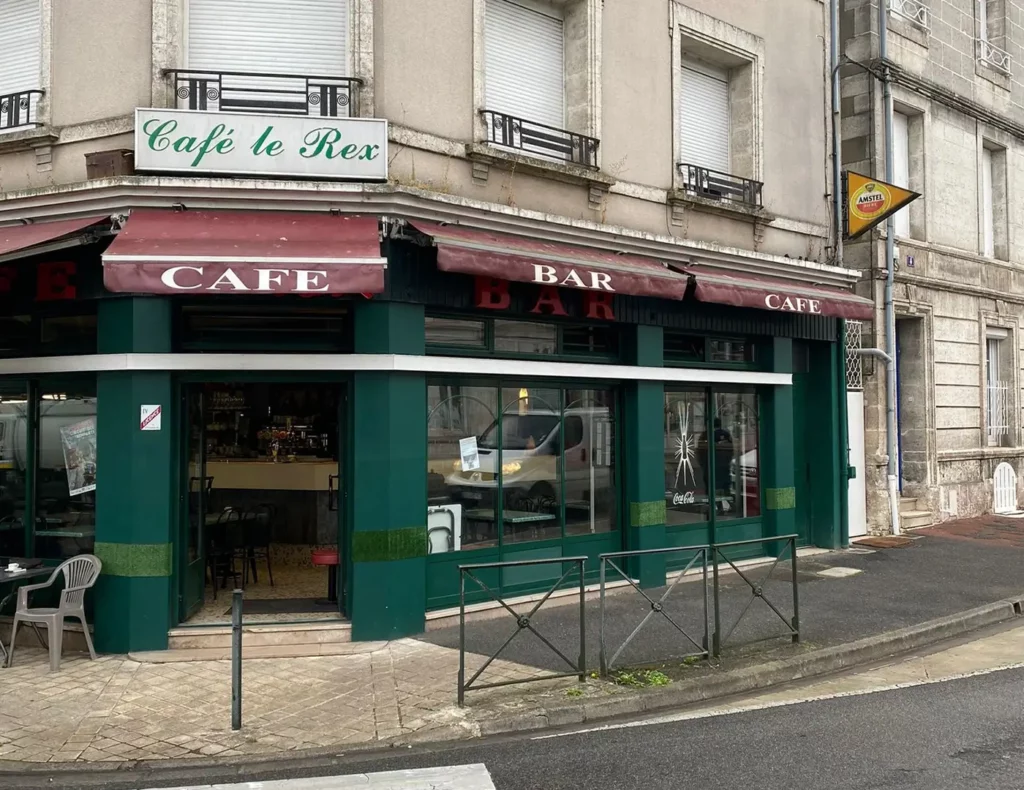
<point x="79" y="444"/>
<point x="470" y="454"/>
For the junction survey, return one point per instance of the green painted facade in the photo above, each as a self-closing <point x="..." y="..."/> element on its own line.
<point x="388" y="579"/>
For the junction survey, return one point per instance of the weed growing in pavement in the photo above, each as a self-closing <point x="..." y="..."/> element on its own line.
<point x="641" y="678"/>
<point x="574" y="692"/>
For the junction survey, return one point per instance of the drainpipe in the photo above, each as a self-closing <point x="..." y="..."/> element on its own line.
<point x="894" y="498"/>
<point x="837" y="159"/>
<point x="890" y="266"/>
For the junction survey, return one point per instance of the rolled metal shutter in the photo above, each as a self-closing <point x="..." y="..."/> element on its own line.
<point x="704" y="116"/>
<point x="306" y="37"/>
<point x="524" y="63"/>
<point x="20" y="45"/>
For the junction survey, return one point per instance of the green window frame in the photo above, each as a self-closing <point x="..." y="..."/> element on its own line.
<point x="566" y="347"/>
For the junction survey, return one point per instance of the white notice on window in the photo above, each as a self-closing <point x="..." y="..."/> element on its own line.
<point x="469" y="453"/>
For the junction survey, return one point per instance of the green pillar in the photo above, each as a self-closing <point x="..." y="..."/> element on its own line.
<point x="644" y="445"/>
<point x="779" y="465"/>
<point x="388" y="479"/>
<point x="135" y="483"/>
<point x="828" y="474"/>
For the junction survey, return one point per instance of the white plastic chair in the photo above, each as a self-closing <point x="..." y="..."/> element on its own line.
<point x="80" y="573"/>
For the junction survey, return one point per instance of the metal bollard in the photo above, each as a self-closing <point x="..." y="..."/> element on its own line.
<point x="236" y="660"/>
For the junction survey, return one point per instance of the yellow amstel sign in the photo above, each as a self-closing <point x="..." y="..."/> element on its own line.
<point x="870" y="201"/>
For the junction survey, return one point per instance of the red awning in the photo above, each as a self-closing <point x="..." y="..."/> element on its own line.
<point x="22" y="238"/>
<point x="780" y="295"/>
<point x="230" y="252"/>
<point x="472" y="251"/>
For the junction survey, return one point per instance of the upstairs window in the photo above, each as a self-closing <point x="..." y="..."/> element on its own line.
<point x="704" y="116"/>
<point x="20" y="62"/>
<point x="524" y="52"/>
<point x="535" y="90"/>
<point x="304" y="38"/>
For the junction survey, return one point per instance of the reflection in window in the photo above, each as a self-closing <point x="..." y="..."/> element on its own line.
<point x="462" y="486"/>
<point x="522" y="337"/>
<point x="732" y="351"/>
<point x="13" y="456"/>
<point x="737" y="467"/>
<point x="66" y="474"/>
<point x="542" y="461"/>
<point x="588" y="461"/>
<point x="686" y="458"/>
<point x="468" y="333"/>
<point x="531" y="464"/>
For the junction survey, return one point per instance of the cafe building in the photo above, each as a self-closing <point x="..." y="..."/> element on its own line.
<point x="335" y="394"/>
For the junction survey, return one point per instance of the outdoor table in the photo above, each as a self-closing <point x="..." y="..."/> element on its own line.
<point x="13" y="579"/>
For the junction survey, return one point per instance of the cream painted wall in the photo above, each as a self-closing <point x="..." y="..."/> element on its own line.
<point x="102" y="54"/>
<point x="423" y="65"/>
<point x="637" y="113"/>
<point x="423" y="79"/>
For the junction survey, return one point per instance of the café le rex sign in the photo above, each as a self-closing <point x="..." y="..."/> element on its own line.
<point x="185" y="141"/>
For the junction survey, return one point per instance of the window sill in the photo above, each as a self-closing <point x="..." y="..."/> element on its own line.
<point x="687" y="200"/>
<point x="980" y="454"/>
<point x="27" y="139"/>
<point x="557" y="171"/>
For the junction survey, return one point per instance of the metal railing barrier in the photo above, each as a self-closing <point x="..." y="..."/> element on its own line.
<point x="657" y="607"/>
<point x="756" y="588"/>
<point x="524" y="622"/>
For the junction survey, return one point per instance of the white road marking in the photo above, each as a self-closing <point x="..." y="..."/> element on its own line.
<point x="454" y="777"/>
<point x="754" y="705"/>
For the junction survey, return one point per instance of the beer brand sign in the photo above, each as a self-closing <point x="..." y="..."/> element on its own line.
<point x="183" y="141"/>
<point x="869" y="202"/>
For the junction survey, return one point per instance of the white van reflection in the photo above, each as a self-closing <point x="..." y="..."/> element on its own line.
<point x="533" y="447"/>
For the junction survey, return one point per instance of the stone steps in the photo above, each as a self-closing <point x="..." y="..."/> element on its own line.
<point x="915" y="519"/>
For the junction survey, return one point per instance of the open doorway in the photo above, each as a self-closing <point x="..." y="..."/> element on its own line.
<point x="261" y="501"/>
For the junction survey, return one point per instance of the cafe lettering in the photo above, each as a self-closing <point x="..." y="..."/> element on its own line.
<point x="792" y="304"/>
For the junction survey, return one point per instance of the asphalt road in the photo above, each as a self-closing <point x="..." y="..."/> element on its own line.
<point x="960" y="735"/>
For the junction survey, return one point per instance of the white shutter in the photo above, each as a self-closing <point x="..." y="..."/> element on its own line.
<point x="704" y="116"/>
<point x="20" y="45"/>
<point x="901" y="167"/>
<point x="305" y="37"/>
<point x="988" y="228"/>
<point x="524" y="63"/>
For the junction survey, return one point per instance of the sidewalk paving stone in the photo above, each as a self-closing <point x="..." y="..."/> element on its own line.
<point x="116" y="709"/>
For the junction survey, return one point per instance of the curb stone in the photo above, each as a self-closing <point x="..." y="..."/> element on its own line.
<point x="679" y="694"/>
<point x="820" y="662"/>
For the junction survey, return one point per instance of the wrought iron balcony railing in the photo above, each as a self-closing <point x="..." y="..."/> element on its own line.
<point x="19" y="109"/>
<point x="540" y="139"/>
<point x="914" y="10"/>
<point x="994" y="56"/>
<point x="721" y="186"/>
<point x="258" y="92"/>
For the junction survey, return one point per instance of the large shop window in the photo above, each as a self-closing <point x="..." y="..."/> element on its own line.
<point x="66" y="472"/>
<point x="712" y="466"/>
<point x="14" y="421"/>
<point x="521" y="463"/>
<point x="48" y="445"/>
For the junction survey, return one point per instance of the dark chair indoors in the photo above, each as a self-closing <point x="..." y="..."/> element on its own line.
<point x="226" y="545"/>
<point x="257" y="541"/>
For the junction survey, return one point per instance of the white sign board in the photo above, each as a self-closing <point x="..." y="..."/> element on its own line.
<point x="470" y="454"/>
<point x="150" y="418"/>
<point x="187" y="141"/>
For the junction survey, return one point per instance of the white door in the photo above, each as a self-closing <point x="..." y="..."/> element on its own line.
<point x="856" y="503"/>
<point x="20" y="52"/>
